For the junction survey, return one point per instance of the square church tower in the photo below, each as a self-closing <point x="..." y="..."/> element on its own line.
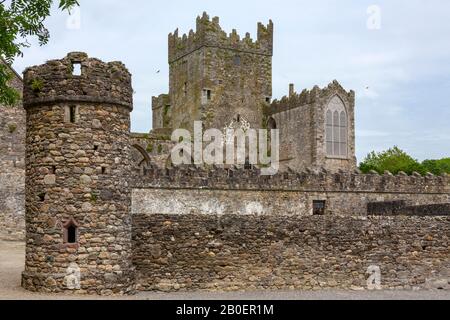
<point x="216" y="78"/>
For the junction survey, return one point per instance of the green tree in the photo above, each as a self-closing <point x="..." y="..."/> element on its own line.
<point x="437" y="167"/>
<point x="20" y="19"/>
<point x="393" y="160"/>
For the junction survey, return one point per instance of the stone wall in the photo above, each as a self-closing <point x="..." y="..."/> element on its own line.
<point x="191" y="190"/>
<point x="237" y="252"/>
<point x="395" y="208"/>
<point x="216" y="77"/>
<point x="265" y="203"/>
<point x="161" y="112"/>
<point x="295" y="126"/>
<point x="78" y="218"/>
<point x="152" y="149"/>
<point x="230" y="229"/>
<point x="301" y="120"/>
<point x="12" y="168"/>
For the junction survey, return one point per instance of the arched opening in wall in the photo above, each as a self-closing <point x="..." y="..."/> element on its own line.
<point x="71" y="231"/>
<point x="271" y="124"/>
<point x="145" y="157"/>
<point x="336" y="129"/>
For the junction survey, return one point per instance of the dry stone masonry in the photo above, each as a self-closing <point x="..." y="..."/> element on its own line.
<point x="78" y="198"/>
<point x="12" y="167"/>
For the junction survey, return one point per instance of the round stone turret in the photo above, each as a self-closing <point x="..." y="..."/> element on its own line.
<point x="78" y="220"/>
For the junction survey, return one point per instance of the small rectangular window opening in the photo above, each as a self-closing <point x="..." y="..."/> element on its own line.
<point x="53" y="169"/>
<point x="76" y="67"/>
<point x="237" y="60"/>
<point x="41" y="196"/>
<point x="72" y="234"/>
<point x="268" y="99"/>
<point x="208" y="95"/>
<point x="319" y="207"/>
<point x="72" y="114"/>
<point x="103" y="170"/>
<point x="185" y="89"/>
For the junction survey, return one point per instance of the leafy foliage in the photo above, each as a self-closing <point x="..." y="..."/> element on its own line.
<point x="37" y="85"/>
<point x="20" y="19"/>
<point x="393" y="160"/>
<point x="396" y="160"/>
<point x="8" y="95"/>
<point x="437" y="167"/>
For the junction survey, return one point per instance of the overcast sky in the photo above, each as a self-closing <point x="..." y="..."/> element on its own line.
<point x="398" y="62"/>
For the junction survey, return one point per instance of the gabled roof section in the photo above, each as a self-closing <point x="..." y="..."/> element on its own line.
<point x="18" y="77"/>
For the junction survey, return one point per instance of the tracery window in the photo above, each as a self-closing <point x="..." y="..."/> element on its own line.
<point x="336" y="129"/>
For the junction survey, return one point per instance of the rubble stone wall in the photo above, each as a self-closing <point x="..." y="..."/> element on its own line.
<point x="240" y="252"/>
<point x="12" y="168"/>
<point x="77" y="177"/>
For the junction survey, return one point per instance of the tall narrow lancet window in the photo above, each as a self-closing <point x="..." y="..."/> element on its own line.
<point x="329" y="132"/>
<point x="343" y="134"/>
<point x="336" y="129"/>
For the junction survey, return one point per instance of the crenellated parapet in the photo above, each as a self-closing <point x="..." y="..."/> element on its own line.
<point x="78" y="167"/>
<point x="57" y="81"/>
<point x="209" y="33"/>
<point x="308" y="97"/>
<point x="308" y="180"/>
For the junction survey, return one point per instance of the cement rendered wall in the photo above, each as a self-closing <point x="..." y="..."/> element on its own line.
<point x="193" y="190"/>
<point x="264" y="203"/>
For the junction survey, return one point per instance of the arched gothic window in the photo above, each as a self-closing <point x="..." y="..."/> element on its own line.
<point x="336" y="129"/>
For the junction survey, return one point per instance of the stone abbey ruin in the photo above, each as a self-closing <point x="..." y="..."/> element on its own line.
<point x="102" y="210"/>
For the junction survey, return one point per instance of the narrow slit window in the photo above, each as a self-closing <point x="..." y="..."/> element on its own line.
<point x="72" y="114"/>
<point x="237" y="60"/>
<point x="103" y="170"/>
<point x="208" y="95"/>
<point x="76" y="67"/>
<point x="71" y="232"/>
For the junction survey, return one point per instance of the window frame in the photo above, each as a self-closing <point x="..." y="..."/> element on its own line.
<point x="68" y="224"/>
<point x="336" y="124"/>
<point x="316" y="209"/>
